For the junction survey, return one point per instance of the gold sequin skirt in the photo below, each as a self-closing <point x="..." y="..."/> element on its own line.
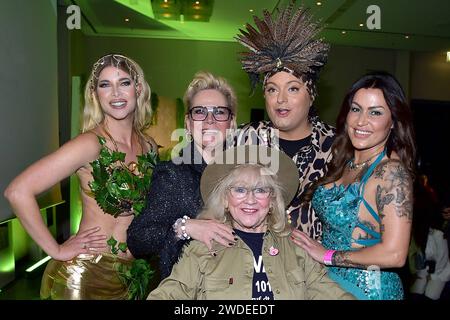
<point x="86" y="277"/>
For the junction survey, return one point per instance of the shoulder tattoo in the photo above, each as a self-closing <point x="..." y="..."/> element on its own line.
<point x="394" y="187"/>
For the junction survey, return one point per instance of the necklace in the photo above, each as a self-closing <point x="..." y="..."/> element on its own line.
<point x="355" y="166"/>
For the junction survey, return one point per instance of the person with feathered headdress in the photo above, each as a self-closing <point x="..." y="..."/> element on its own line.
<point x="287" y="58"/>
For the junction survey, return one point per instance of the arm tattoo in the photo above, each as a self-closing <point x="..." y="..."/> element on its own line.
<point x="369" y="226"/>
<point x="395" y="188"/>
<point x="382" y="199"/>
<point x="342" y="259"/>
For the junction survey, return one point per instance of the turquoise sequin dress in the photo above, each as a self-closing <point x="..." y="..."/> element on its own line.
<point x="337" y="208"/>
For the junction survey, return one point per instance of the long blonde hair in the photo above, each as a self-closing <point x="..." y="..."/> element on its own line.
<point x="93" y="114"/>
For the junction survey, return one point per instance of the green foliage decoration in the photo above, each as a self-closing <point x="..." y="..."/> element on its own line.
<point x="137" y="278"/>
<point x="116" y="246"/>
<point x="118" y="188"/>
<point x="121" y="189"/>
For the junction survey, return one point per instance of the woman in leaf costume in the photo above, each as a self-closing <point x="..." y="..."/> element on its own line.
<point x="113" y="159"/>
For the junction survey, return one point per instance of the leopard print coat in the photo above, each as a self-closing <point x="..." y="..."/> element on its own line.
<point x="311" y="161"/>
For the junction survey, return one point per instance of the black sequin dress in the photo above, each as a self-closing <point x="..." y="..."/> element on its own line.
<point x="174" y="192"/>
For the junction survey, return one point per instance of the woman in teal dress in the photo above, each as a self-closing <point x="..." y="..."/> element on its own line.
<point x="365" y="201"/>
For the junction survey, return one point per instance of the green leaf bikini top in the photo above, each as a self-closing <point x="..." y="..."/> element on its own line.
<point x="120" y="189"/>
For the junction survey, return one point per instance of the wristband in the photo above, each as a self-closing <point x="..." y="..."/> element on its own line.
<point x="328" y="257"/>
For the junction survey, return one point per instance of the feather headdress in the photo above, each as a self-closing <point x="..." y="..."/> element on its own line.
<point x="285" y="43"/>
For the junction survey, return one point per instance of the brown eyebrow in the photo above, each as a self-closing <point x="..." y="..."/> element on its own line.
<point x="370" y="108"/>
<point x="295" y="81"/>
<point x="121" y="79"/>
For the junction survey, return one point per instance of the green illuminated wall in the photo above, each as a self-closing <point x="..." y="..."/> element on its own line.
<point x="7" y="263"/>
<point x="29" y="122"/>
<point x="75" y="200"/>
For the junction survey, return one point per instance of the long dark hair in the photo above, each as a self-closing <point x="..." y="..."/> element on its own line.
<point x="401" y="137"/>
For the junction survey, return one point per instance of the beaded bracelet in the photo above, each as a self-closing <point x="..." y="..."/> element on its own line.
<point x="181" y="232"/>
<point x="183" y="228"/>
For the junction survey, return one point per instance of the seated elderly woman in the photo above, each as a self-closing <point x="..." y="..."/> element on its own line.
<point x="250" y="196"/>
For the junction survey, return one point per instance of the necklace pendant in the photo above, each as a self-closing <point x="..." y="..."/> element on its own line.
<point x="355" y="166"/>
<point x="132" y="167"/>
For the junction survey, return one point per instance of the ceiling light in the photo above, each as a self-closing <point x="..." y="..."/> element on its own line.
<point x="361" y="25"/>
<point x="319" y="3"/>
<point x="127" y="20"/>
<point x="251" y="10"/>
<point x="448" y="56"/>
<point x="197" y="10"/>
<point x="406" y="37"/>
<point x="343" y="32"/>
